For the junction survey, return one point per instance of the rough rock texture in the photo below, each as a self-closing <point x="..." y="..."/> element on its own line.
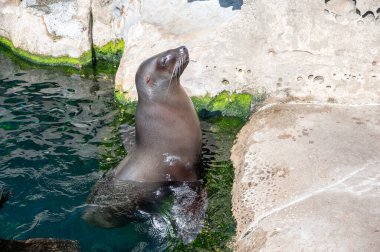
<point x="51" y="28"/>
<point x="308" y="179"/>
<point x="58" y="27"/>
<point x="107" y="22"/>
<point x="179" y="23"/>
<point x="306" y="49"/>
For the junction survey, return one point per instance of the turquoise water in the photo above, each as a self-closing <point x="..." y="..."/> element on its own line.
<point x="51" y="127"/>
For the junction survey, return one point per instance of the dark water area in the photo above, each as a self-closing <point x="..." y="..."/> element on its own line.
<point x="58" y="133"/>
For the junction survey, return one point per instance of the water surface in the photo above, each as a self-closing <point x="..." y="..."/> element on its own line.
<point x="51" y="129"/>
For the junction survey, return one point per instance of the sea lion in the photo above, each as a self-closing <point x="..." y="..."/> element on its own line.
<point x="167" y="147"/>
<point x="168" y="134"/>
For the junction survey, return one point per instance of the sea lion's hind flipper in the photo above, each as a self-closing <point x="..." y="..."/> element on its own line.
<point x="128" y="134"/>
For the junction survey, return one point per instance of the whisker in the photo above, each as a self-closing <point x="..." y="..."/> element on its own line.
<point x="176" y="72"/>
<point x="171" y="78"/>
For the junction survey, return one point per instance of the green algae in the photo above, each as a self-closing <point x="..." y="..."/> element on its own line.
<point x="85" y="71"/>
<point x="228" y="104"/>
<point x="120" y="98"/>
<point x="108" y="58"/>
<point x="46" y="60"/>
<point x="201" y="102"/>
<point x="112" y="51"/>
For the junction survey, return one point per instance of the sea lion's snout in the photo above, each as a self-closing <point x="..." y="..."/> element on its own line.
<point x="183" y="57"/>
<point x="183" y="50"/>
<point x="184" y="53"/>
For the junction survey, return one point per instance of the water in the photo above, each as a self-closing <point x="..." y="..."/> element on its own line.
<point x="57" y="132"/>
<point x="51" y="127"/>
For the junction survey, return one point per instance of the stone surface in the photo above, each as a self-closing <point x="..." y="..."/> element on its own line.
<point x="307" y="178"/>
<point x="51" y="28"/>
<point x="341" y="7"/>
<point x="179" y="23"/>
<point x="308" y="49"/>
<point x="59" y="27"/>
<point x="365" y="6"/>
<point x="107" y="22"/>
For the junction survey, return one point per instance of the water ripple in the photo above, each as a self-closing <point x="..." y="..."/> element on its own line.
<point x="51" y="125"/>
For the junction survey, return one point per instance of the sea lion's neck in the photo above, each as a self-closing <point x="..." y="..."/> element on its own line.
<point x="162" y="108"/>
<point x="170" y="93"/>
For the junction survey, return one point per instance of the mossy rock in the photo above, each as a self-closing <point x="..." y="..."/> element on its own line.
<point x="226" y="104"/>
<point x="231" y="104"/>
<point x="108" y="58"/>
<point x="47" y="60"/>
<point x="201" y="102"/>
<point x="112" y="51"/>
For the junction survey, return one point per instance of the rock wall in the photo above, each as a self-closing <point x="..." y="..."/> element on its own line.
<point x="58" y="28"/>
<point x="307" y="179"/>
<point x="310" y="49"/>
<point x="315" y="50"/>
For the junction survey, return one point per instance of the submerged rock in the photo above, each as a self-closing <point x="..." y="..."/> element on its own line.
<point x="39" y="244"/>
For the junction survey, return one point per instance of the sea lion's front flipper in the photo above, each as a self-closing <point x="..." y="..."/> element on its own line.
<point x="189" y="209"/>
<point x="128" y="134"/>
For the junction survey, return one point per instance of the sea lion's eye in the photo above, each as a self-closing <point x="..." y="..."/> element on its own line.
<point x="163" y="61"/>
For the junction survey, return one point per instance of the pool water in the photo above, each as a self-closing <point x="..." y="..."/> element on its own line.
<point x="51" y="127"/>
<point x="58" y="132"/>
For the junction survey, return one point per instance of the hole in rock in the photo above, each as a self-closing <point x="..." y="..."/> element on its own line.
<point x="368" y="13"/>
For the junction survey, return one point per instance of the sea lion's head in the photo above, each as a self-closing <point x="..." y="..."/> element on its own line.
<point x="159" y="74"/>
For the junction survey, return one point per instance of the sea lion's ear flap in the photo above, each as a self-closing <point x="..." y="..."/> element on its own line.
<point x="147" y="79"/>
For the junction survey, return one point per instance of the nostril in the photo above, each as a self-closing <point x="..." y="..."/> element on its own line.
<point x="182" y="49"/>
